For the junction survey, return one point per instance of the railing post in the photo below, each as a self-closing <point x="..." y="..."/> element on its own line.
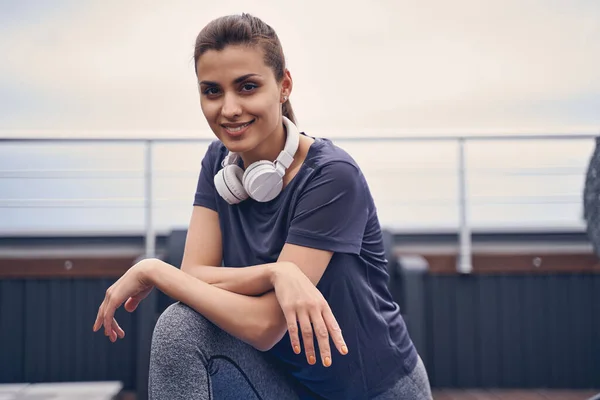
<point x="463" y="264"/>
<point x="150" y="236"/>
<point x="146" y="313"/>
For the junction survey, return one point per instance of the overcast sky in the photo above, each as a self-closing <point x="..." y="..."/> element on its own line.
<point x="124" y="69"/>
<point x="369" y="66"/>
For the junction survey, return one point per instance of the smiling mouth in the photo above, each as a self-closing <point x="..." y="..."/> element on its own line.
<point x="238" y="128"/>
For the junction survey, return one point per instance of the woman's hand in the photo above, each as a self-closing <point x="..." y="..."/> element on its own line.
<point x="132" y="287"/>
<point x="302" y="303"/>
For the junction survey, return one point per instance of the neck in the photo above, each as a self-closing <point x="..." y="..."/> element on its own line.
<point x="267" y="150"/>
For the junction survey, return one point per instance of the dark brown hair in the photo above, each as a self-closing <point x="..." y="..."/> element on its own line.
<point x="245" y="30"/>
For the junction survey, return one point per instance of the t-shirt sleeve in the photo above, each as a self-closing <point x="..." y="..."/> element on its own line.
<point x="205" y="190"/>
<point x="331" y="212"/>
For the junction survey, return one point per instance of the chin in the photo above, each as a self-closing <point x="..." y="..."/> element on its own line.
<point x="239" y="144"/>
<point x="235" y="147"/>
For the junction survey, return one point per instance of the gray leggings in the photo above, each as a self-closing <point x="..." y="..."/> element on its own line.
<point x="191" y="358"/>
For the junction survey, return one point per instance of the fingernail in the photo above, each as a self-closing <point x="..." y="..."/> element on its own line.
<point x="296" y="349"/>
<point x="311" y="360"/>
<point x="327" y="361"/>
<point x="344" y="349"/>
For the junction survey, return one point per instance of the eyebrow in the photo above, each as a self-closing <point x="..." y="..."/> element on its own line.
<point x="236" y="81"/>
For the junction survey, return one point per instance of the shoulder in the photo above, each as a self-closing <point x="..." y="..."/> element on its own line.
<point x="331" y="173"/>
<point x="331" y="161"/>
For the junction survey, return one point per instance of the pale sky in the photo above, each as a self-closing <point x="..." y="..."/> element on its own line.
<point x="124" y="69"/>
<point x="369" y="66"/>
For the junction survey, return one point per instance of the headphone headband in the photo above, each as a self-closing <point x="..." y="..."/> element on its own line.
<point x="286" y="157"/>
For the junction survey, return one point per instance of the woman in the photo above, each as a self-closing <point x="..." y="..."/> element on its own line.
<point x="310" y="315"/>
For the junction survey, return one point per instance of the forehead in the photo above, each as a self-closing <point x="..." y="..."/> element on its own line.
<point x="233" y="61"/>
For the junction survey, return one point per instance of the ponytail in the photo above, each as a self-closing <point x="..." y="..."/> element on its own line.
<point x="288" y="112"/>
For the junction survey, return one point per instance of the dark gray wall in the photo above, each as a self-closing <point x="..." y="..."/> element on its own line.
<point x="472" y="331"/>
<point x="46" y="333"/>
<point x="508" y="331"/>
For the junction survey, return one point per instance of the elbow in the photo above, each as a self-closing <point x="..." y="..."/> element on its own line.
<point x="268" y="334"/>
<point x="263" y="346"/>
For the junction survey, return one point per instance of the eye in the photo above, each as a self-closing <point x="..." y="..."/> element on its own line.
<point x="211" y="91"/>
<point x="248" y="87"/>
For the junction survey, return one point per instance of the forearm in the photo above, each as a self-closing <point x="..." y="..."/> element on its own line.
<point x="251" y="281"/>
<point x="257" y="321"/>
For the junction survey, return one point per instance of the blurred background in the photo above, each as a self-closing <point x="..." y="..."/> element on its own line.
<point x="475" y="123"/>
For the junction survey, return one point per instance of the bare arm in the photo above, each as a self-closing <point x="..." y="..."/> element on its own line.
<point x="204" y="249"/>
<point x="254" y="320"/>
<point x="250" y="281"/>
<point x="259" y="321"/>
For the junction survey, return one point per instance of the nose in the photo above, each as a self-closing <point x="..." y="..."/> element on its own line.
<point x="231" y="108"/>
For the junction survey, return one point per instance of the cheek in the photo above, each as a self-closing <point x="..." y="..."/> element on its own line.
<point x="264" y="105"/>
<point x="210" y="109"/>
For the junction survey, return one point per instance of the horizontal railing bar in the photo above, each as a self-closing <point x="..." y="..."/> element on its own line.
<point x="193" y="174"/>
<point x="428" y="198"/>
<point x="390" y="169"/>
<point x="443" y="138"/>
<point x="165" y="203"/>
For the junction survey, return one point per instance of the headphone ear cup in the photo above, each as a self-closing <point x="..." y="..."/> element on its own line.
<point x="228" y="182"/>
<point x="262" y="182"/>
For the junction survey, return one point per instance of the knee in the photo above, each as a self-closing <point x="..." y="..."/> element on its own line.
<point x="180" y="327"/>
<point x="177" y="354"/>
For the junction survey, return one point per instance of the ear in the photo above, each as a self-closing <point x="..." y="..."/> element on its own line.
<point x="286" y="85"/>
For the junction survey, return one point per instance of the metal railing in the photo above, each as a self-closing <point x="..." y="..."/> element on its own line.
<point x="464" y="264"/>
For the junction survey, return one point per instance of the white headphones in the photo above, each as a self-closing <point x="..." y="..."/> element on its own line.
<point x="263" y="179"/>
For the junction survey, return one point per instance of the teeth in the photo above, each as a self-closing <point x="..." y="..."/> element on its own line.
<point x="239" y="128"/>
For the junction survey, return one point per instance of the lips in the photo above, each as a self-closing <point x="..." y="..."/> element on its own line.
<point x="237" y="129"/>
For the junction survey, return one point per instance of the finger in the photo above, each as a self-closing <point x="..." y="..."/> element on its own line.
<point x="131" y="304"/>
<point x="108" y="328"/>
<point x="109" y="314"/>
<point x="134" y="301"/>
<point x="99" y="318"/>
<point x="113" y="334"/>
<point x="307" y="337"/>
<point x="322" y="336"/>
<point x="112" y="302"/>
<point x="335" y="330"/>
<point x="292" y="324"/>
<point x="117" y="328"/>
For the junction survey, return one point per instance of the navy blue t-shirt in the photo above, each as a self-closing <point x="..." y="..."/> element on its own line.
<point x="327" y="206"/>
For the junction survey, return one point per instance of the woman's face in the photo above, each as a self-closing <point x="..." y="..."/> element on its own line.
<point x="240" y="97"/>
